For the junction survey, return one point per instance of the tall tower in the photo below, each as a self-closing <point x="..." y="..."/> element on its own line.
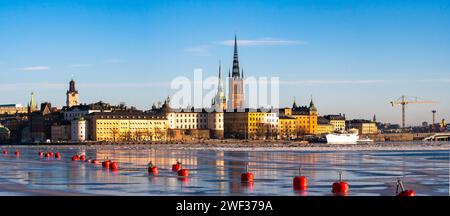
<point x="235" y="83"/>
<point x="220" y="101"/>
<point x="32" y="105"/>
<point x="72" y="95"/>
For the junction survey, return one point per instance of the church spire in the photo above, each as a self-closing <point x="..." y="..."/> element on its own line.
<point x="220" y="86"/>
<point x="235" y="59"/>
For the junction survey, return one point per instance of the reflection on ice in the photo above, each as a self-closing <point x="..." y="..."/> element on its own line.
<point x="219" y="172"/>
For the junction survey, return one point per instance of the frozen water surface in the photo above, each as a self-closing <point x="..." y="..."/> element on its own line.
<point x="215" y="172"/>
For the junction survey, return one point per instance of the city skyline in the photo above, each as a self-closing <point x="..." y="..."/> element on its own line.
<point x="125" y="52"/>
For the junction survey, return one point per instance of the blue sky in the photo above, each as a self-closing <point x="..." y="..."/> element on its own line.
<point x="352" y="56"/>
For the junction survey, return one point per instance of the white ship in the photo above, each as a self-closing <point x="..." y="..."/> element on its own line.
<point x="342" y="137"/>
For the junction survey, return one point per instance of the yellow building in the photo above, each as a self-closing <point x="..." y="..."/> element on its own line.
<point x="324" y="126"/>
<point x="251" y="124"/>
<point x="287" y="127"/>
<point x="338" y="122"/>
<point x="363" y="126"/>
<point x="306" y="118"/>
<point x="127" y="126"/>
<point x="11" y="109"/>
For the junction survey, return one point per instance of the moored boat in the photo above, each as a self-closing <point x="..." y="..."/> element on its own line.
<point x="342" y="137"/>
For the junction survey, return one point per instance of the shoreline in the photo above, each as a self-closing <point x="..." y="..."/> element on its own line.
<point x="381" y="146"/>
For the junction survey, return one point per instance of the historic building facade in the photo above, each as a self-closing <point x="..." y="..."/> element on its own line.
<point x="127" y="126"/>
<point x="251" y="124"/>
<point x="305" y="116"/>
<point x="338" y="121"/>
<point x="363" y="126"/>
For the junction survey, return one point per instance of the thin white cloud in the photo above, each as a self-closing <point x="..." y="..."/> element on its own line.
<point x="263" y="42"/>
<point x="35" y="68"/>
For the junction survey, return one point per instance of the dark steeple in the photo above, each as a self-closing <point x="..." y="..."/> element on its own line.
<point x="235" y="59"/>
<point x="72" y="86"/>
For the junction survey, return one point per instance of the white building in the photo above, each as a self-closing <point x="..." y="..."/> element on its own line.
<point x="186" y="119"/>
<point x="78" y="129"/>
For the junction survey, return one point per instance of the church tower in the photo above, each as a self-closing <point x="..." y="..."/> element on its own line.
<point x="220" y="101"/>
<point x="72" y="95"/>
<point x="32" y="106"/>
<point x="235" y="83"/>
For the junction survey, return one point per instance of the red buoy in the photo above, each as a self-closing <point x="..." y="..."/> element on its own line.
<point x="340" y="186"/>
<point x="152" y="168"/>
<point x="5" y="152"/>
<point x="183" y="172"/>
<point x="17" y="153"/>
<point x="176" y="167"/>
<point x="114" y="166"/>
<point x="300" y="182"/>
<point x="58" y="155"/>
<point x="106" y="164"/>
<point x="404" y="192"/>
<point x="47" y="155"/>
<point x="51" y="154"/>
<point x="75" y="158"/>
<point x="95" y="161"/>
<point x="40" y="154"/>
<point x="83" y="157"/>
<point x="247" y="176"/>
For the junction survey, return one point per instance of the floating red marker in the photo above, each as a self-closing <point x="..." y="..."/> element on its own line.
<point x="75" y="157"/>
<point x="5" y="152"/>
<point x="51" y="154"/>
<point x="404" y="192"/>
<point x="153" y="170"/>
<point x="47" y="155"/>
<point x="340" y="186"/>
<point x="88" y="161"/>
<point x="58" y="155"/>
<point x="83" y="157"/>
<point x="95" y="161"/>
<point x="300" y="182"/>
<point x="176" y="167"/>
<point x="183" y="172"/>
<point x="17" y="153"/>
<point x="106" y="164"/>
<point x="114" y="166"/>
<point x="247" y="176"/>
<point x="40" y="154"/>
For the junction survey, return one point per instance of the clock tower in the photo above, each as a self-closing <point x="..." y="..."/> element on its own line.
<point x="72" y="95"/>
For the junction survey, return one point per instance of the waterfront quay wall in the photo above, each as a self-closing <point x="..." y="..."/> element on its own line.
<point x="398" y="137"/>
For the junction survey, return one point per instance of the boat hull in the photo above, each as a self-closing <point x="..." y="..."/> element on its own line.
<point x="342" y="138"/>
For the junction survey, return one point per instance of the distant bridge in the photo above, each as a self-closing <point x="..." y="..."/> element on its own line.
<point x="438" y="137"/>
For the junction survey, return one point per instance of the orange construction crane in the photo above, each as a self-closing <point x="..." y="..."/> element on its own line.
<point x="404" y="100"/>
